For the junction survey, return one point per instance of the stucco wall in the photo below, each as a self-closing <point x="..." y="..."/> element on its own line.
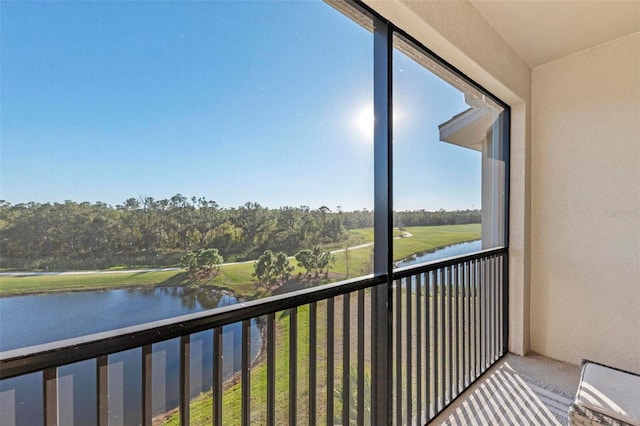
<point x="585" y="264"/>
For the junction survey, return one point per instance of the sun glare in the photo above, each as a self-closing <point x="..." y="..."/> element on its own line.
<point x="364" y="122"/>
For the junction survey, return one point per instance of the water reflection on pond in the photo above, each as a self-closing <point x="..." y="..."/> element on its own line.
<point x="441" y="253"/>
<point x="36" y="319"/>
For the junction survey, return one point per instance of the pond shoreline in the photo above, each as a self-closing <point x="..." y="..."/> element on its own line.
<point x="457" y="249"/>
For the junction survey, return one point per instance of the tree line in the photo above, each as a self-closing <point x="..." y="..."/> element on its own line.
<point x="146" y="231"/>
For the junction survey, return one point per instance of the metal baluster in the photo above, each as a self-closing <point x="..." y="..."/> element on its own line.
<point x="398" y="316"/>
<point x="450" y="328"/>
<point x="330" y="361"/>
<point x="346" y="349"/>
<point x="476" y="340"/>
<point x="409" y="338"/>
<point x="455" y="286"/>
<point x="485" y="314"/>
<point x="419" y="328"/>
<point x="442" y="336"/>
<point x="102" y="381"/>
<point x="498" y="300"/>
<point x="481" y="314"/>
<point x="499" y="305"/>
<point x="493" y="310"/>
<point x="361" y="304"/>
<point x="293" y="365"/>
<point x="246" y="373"/>
<point x="50" y="396"/>
<point x="494" y="283"/>
<point x="481" y="310"/>
<point x="184" y="379"/>
<point x="147" y="385"/>
<point x="467" y="326"/>
<point x="436" y="329"/>
<point x="313" y="363"/>
<point x="427" y="314"/>
<point x="271" y="370"/>
<point x="505" y="302"/>
<point x="217" y="376"/>
<point x="463" y="319"/>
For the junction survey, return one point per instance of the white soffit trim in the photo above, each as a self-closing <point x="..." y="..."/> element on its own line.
<point x="468" y="129"/>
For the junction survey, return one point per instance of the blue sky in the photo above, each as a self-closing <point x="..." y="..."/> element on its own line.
<point x="233" y="101"/>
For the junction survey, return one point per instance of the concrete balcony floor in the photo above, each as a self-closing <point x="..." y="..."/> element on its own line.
<point x="531" y="390"/>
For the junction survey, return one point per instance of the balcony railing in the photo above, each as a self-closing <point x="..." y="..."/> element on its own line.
<point x="447" y="322"/>
<point x="449" y="327"/>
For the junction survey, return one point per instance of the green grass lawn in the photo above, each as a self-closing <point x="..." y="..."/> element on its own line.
<point x="238" y="278"/>
<point x="11" y="285"/>
<point x="430" y="237"/>
<point x="201" y="407"/>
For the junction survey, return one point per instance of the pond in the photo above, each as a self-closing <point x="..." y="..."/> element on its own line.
<point x="36" y="319"/>
<point x="441" y="253"/>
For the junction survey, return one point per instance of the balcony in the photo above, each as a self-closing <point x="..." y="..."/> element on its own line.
<point x="435" y="342"/>
<point x="444" y="325"/>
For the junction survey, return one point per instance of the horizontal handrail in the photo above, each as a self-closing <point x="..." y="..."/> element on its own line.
<point x="407" y="271"/>
<point x="36" y="358"/>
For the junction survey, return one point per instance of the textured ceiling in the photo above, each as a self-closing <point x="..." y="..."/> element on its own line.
<point x="543" y="31"/>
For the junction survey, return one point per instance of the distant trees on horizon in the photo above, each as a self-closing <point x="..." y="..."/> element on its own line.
<point x="145" y="231"/>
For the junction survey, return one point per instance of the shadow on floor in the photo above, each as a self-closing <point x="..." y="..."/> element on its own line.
<point x="517" y="391"/>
